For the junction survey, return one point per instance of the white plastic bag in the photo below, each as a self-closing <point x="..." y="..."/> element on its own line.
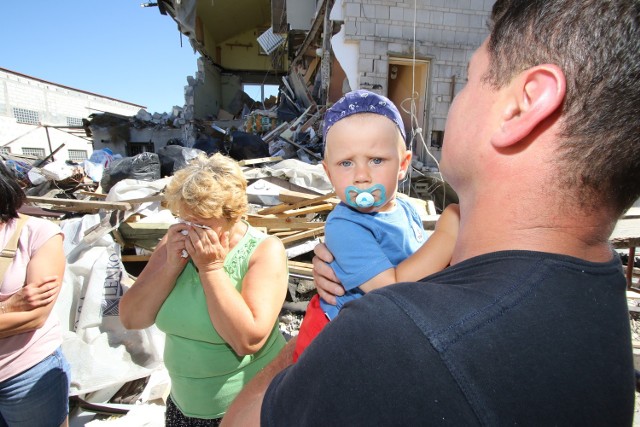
<point x="100" y="350"/>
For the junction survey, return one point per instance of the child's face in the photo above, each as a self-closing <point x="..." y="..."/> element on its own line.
<point x="363" y="150"/>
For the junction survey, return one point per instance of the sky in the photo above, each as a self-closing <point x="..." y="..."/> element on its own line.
<point x="113" y="48"/>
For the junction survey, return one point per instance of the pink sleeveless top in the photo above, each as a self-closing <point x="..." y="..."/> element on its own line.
<point x="22" y="351"/>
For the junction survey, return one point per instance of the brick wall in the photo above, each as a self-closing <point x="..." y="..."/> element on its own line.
<point x="446" y="34"/>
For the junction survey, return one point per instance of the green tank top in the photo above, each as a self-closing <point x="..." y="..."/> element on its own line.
<point x="206" y="374"/>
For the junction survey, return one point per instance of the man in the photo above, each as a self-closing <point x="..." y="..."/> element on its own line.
<point x="529" y="324"/>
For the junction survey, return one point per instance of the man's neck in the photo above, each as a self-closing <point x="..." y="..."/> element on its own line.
<point x="485" y="229"/>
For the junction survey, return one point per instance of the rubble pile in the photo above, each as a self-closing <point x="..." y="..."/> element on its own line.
<point x="109" y="236"/>
<point x="111" y="212"/>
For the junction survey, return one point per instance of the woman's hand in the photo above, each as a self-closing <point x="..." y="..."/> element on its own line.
<point x="325" y="279"/>
<point x="33" y="295"/>
<point x="207" y="250"/>
<point x="176" y="244"/>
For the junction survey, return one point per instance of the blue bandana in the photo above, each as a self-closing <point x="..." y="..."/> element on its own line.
<point x="362" y="101"/>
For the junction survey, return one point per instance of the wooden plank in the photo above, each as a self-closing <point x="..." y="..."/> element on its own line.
<point x="101" y="196"/>
<point x="311" y="69"/>
<point x="301" y="264"/>
<point x="286" y="138"/>
<point x="626" y="234"/>
<point x="38" y="211"/>
<point x="286" y="207"/>
<point x="307" y="210"/>
<point x="318" y="22"/>
<point x="149" y="244"/>
<point x="313" y="119"/>
<point x="301" y="272"/>
<point x="274" y="209"/>
<point x="118" y="237"/>
<point x="282" y="223"/>
<point x="154" y="198"/>
<point x="290" y="196"/>
<point x="135" y="258"/>
<point x="303" y="235"/>
<point x="143" y="234"/>
<point x="284" y="233"/>
<point x="304" y="268"/>
<point x="633" y="212"/>
<point x="275" y="132"/>
<point x="280" y="231"/>
<point x="247" y="162"/>
<point x="81" y="204"/>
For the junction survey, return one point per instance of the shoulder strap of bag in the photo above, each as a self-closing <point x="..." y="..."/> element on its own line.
<point x="9" y="252"/>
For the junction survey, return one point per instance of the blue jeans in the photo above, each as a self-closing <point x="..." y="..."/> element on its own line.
<point x="37" y="397"/>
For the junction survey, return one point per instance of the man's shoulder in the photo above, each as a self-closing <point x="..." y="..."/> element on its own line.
<point x="474" y="293"/>
<point x="455" y="346"/>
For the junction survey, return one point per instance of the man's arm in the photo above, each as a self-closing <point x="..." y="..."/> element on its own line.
<point x="245" y="409"/>
<point x="327" y="283"/>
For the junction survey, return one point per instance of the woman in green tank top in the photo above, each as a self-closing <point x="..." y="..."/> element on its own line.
<point x="215" y="286"/>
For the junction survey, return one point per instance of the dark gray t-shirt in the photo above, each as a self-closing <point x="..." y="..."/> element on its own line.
<point x="508" y="338"/>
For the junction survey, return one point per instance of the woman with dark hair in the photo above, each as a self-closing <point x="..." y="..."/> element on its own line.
<point x="34" y="375"/>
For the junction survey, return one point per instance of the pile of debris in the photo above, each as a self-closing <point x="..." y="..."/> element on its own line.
<point x="111" y="212"/>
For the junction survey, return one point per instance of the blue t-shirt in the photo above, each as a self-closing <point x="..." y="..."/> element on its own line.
<point x="366" y="244"/>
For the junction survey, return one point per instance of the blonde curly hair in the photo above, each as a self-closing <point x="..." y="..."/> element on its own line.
<point x="209" y="187"/>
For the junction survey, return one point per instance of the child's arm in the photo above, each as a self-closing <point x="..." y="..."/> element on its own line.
<point x="433" y="256"/>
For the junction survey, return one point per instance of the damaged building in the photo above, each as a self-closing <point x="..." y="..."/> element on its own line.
<point x="41" y="119"/>
<point x="266" y="72"/>
<point x="308" y="53"/>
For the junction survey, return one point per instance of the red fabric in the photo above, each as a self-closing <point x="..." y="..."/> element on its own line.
<point x="313" y="322"/>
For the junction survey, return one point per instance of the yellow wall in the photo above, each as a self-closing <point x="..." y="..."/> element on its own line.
<point x="235" y="56"/>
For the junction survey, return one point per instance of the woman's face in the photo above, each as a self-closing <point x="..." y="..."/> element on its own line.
<point x="219" y="225"/>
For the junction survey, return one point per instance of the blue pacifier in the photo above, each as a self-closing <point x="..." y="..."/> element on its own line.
<point x="365" y="198"/>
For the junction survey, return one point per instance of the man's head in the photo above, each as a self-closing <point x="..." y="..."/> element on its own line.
<point x="365" y="153"/>
<point x="596" y="44"/>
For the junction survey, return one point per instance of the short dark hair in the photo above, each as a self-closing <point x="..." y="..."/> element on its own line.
<point x="597" y="45"/>
<point x="11" y="195"/>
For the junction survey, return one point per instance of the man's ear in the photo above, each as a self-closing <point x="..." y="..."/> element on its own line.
<point x="405" y="162"/>
<point x="532" y="97"/>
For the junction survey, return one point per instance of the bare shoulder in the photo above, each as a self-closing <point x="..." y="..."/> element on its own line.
<point x="271" y="247"/>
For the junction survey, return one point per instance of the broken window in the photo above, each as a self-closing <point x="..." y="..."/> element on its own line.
<point x="437" y="136"/>
<point x="259" y="92"/>
<point x="135" y="148"/>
